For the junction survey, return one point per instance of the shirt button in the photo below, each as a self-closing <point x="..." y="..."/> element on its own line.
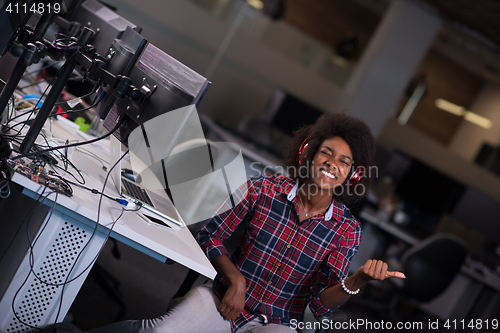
<point x="260" y="301"/>
<point x="268" y="282"/>
<point x="279" y="264"/>
<point x="288" y="246"/>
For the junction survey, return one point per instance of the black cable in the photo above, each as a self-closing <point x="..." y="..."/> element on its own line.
<point x="36" y="109"/>
<point x="67" y="281"/>
<point x="94" y="90"/>
<point x="31" y="248"/>
<point x="74" y="144"/>
<point x="32" y="111"/>
<point x="11" y="107"/>
<point x="68" y="47"/>
<point x="93" y="190"/>
<point x="91" y="154"/>
<point x="19" y="116"/>
<point x="72" y="175"/>
<point x="91" y="236"/>
<point x="33" y="84"/>
<point x="42" y="68"/>
<point x="63" y="159"/>
<point x="76" y="111"/>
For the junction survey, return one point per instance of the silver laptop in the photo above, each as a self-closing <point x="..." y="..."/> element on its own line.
<point x="157" y="206"/>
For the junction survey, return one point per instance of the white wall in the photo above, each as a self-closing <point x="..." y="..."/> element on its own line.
<point x="387" y="66"/>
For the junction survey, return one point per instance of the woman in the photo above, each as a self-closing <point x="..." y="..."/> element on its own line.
<point x="298" y="241"/>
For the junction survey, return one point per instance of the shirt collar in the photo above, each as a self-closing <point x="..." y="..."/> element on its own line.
<point x="335" y="209"/>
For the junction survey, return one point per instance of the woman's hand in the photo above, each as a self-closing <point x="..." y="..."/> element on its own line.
<point x="234" y="300"/>
<point x="376" y="270"/>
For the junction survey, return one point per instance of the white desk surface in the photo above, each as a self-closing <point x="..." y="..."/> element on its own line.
<point x="178" y="245"/>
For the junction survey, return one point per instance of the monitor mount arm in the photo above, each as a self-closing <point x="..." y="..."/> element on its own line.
<point x="30" y="48"/>
<point x="94" y="69"/>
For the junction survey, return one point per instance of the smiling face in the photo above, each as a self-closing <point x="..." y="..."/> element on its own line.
<point x="331" y="163"/>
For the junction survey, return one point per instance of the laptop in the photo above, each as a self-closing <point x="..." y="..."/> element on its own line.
<point x="157" y="207"/>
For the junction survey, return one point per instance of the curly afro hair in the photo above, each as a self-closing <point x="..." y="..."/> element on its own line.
<point x="353" y="131"/>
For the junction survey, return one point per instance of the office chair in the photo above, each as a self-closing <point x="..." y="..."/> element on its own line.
<point x="430" y="267"/>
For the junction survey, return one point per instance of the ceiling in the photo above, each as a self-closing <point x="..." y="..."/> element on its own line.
<point x="470" y="35"/>
<point x="480" y="17"/>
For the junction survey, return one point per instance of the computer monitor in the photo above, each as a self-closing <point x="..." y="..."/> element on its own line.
<point x="429" y="189"/>
<point x="167" y="85"/>
<point x="425" y="195"/>
<point x="106" y="24"/>
<point x="480" y="212"/>
<point x="13" y="18"/>
<point x="288" y="113"/>
<point x="172" y="85"/>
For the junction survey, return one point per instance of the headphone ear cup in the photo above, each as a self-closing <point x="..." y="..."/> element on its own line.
<point x="356" y="176"/>
<point x="303" y="147"/>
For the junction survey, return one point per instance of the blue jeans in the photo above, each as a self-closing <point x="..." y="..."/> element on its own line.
<point x="195" y="313"/>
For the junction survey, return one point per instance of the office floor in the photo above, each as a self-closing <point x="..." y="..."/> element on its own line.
<point x="147" y="285"/>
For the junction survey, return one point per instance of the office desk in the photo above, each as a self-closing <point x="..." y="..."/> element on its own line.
<point x="68" y="239"/>
<point x="370" y="216"/>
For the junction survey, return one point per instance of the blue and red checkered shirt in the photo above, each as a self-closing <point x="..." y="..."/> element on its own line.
<point x="286" y="264"/>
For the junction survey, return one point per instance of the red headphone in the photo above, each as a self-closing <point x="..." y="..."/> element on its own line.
<point x="303" y="146"/>
<point x="355" y="176"/>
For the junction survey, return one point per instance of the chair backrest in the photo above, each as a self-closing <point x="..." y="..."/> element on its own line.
<point x="431" y="265"/>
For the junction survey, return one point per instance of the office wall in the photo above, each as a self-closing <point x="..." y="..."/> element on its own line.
<point x="424" y="148"/>
<point x="397" y="47"/>
<point x="248" y="72"/>
<point x="450" y="81"/>
<point x="469" y="138"/>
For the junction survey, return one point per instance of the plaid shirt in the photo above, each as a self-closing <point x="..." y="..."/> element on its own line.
<point x="286" y="264"/>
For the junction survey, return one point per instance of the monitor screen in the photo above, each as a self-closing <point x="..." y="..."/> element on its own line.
<point x="13" y="16"/>
<point x="288" y="113"/>
<point x="172" y="85"/>
<point x="429" y="189"/>
<point x="479" y="211"/>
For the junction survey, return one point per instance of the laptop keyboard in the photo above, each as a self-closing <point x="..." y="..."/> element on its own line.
<point x="136" y="192"/>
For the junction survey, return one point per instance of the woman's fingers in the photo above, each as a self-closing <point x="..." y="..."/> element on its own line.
<point x="370" y="267"/>
<point x="383" y="271"/>
<point x="224" y="309"/>
<point x="227" y="311"/>
<point x="396" y="275"/>
<point x="377" y="273"/>
<point x="378" y="270"/>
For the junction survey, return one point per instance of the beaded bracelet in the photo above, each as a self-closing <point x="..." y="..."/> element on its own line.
<point x="350" y="292"/>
